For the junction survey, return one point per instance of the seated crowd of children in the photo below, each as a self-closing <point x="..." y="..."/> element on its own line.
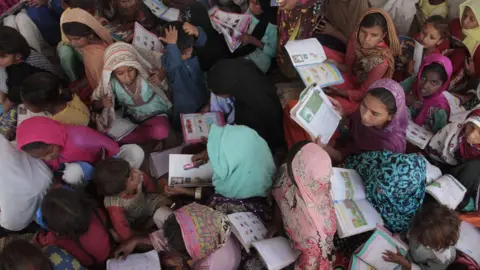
<point x="77" y="187"/>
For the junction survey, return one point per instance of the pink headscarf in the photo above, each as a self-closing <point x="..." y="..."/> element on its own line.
<point x="392" y="137"/>
<point x="437" y="99"/>
<point x="78" y="143"/>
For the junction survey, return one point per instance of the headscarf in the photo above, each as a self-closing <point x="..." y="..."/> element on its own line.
<point x="437" y="99"/>
<point x="302" y="192"/>
<point x="450" y="145"/>
<point x="392" y="137"/>
<point x="117" y="55"/>
<point x="81" y="16"/>
<point x="256" y="102"/>
<point x="472" y="36"/>
<point x="344" y="14"/>
<point x="242" y="163"/>
<point x="468" y="174"/>
<point x="394" y="184"/>
<point x="204" y="230"/>
<point x="367" y="59"/>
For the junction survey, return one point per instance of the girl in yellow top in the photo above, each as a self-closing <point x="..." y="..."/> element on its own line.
<point x="41" y="92"/>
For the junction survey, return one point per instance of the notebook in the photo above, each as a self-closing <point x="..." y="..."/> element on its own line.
<point x="231" y="25"/>
<point x="145" y="39"/>
<point x="468" y="241"/>
<point x="143" y="261"/>
<point x="447" y="191"/>
<point x="308" y="58"/>
<point x="418" y="135"/>
<point x="369" y="256"/>
<point x="276" y="253"/>
<point x="159" y="161"/>
<point x="178" y="176"/>
<point x="315" y="113"/>
<point x="197" y="125"/>
<point x="161" y="11"/>
<point x="121" y="127"/>
<point x="354" y="213"/>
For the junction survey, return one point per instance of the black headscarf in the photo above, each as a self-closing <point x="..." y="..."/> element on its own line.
<point x="468" y="174"/>
<point x="256" y="102"/>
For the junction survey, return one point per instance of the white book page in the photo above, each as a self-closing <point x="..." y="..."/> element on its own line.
<point x="347" y="185"/>
<point x="418" y="135"/>
<point x="316" y="114"/>
<point x="171" y="15"/>
<point x="195" y="177"/>
<point x="277" y="252"/>
<point x="144" y="261"/>
<point x="305" y="52"/>
<point x="357" y="264"/>
<point x="159" y="161"/>
<point x="145" y="39"/>
<point x="417" y="56"/>
<point x="374" y="248"/>
<point x="433" y="172"/>
<point x="448" y="191"/>
<point x="121" y="127"/>
<point x="156" y="6"/>
<point x="248" y="228"/>
<point x="468" y="241"/>
<point x="356" y="217"/>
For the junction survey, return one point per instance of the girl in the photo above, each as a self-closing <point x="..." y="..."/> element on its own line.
<point x="247" y="98"/>
<point x="394" y="184"/>
<point x="193" y="237"/>
<point x="427" y="101"/>
<point x="432" y="239"/>
<point x="467" y="173"/>
<point x="132" y="81"/>
<point x="368" y="59"/>
<point x="90" y="38"/>
<point x="382" y="118"/>
<point x="42" y="92"/>
<point x="75" y="224"/>
<point x="457" y="142"/>
<point x="302" y="191"/>
<point x="55" y="143"/>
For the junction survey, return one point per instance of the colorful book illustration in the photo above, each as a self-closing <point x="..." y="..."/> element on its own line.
<point x="197" y="125"/>
<point x="418" y="135"/>
<point x="308" y="58"/>
<point x="231" y="25"/>
<point x="447" y="191"/>
<point x="161" y="11"/>
<point x="179" y="175"/>
<point x="354" y="213"/>
<point x="146" y="40"/>
<point x="120" y="31"/>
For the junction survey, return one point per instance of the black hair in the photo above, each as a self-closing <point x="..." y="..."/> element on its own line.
<point x="173" y="233"/>
<point x="34" y="146"/>
<point x="44" y="89"/>
<point x="87" y="5"/>
<point x="77" y="29"/>
<point x="375" y="19"/>
<point x="111" y="175"/>
<point x="184" y="40"/>
<point x="437" y="68"/>
<point x="12" y="42"/>
<point x="441" y="24"/>
<point x="21" y="254"/>
<point x="386" y="97"/>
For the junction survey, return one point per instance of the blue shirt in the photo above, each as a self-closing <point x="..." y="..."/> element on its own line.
<point x="185" y="78"/>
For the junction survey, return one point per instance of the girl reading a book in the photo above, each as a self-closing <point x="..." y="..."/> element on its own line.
<point x="139" y="86"/>
<point x="55" y="143"/>
<point x="457" y="142"/>
<point x="370" y="57"/>
<point x="432" y="238"/>
<point x="302" y="193"/>
<point x="192" y="237"/>
<point x="90" y="38"/>
<point x="426" y="100"/>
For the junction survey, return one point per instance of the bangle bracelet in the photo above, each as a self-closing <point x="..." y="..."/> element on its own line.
<point x="198" y="193"/>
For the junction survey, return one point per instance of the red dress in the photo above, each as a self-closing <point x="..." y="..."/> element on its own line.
<point x="459" y="54"/>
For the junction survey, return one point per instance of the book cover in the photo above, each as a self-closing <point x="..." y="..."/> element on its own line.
<point x="197" y="125"/>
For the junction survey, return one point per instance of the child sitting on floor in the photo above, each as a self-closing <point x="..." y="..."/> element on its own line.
<point x="130" y="195"/>
<point x="183" y="69"/>
<point x="435" y="231"/>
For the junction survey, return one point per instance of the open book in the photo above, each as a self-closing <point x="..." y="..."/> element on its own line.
<point x="308" y="58"/>
<point x="197" y="125"/>
<point x="468" y="241"/>
<point x="354" y="213"/>
<point x="159" y="161"/>
<point x="315" y="113"/>
<point x="120" y="32"/>
<point x="178" y="176"/>
<point x="369" y="256"/>
<point x="231" y="25"/>
<point x="161" y="11"/>
<point x="121" y="127"/>
<point x="418" y="135"/>
<point x="145" y="39"/>
<point x="447" y="191"/>
<point x="143" y="261"/>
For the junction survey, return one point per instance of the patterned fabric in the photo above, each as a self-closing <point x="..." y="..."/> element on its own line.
<point x="8" y="123"/>
<point x="61" y="260"/>
<point x="395" y="185"/>
<point x="204" y="230"/>
<point x="302" y="191"/>
<point x="257" y="205"/>
<point x="39" y="60"/>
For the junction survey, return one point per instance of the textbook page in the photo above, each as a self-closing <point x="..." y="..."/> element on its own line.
<point x="145" y="39"/>
<point x="347" y="185"/>
<point x="156" y="6"/>
<point x="159" y="161"/>
<point x="194" y="177"/>
<point x="418" y="135"/>
<point x="417" y="56"/>
<point x="197" y="125"/>
<point x="248" y="228"/>
<point x="323" y="74"/>
<point x="121" y="127"/>
<point x="468" y="241"/>
<point x="143" y="261"/>
<point x="305" y="52"/>
<point x="356" y="217"/>
<point x="316" y="114"/>
<point x="447" y="191"/>
<point x="277" y="253"/>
